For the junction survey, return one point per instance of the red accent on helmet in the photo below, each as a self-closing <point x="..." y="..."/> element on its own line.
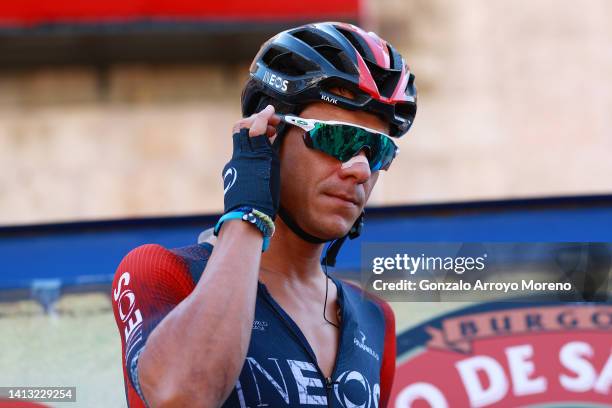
<point x="367" y="84"/>
<point x="379" y="48"/>
<point x="385" y="52"/>
<point x="399" y="94"/>
<point x="366" y="81"/>
<point x="377" y="45"/>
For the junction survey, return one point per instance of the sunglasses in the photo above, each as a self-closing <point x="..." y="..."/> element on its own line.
<point x="344" y="140"/>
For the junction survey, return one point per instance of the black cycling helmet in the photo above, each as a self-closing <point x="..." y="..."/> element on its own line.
<point x="301" y="65"/>
<point x="304" y="64"/>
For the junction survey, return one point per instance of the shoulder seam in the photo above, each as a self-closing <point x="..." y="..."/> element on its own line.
<point x="160" y="250"/>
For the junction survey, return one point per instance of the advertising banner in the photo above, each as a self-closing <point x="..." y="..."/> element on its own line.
<point x="501" y="354"/>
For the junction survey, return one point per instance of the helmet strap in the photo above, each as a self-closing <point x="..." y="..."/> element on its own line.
<point x="297" y="230"/>
<point x="332" y="250"/>
<point x="329" y="259"/>
<point x="281" y="130"/>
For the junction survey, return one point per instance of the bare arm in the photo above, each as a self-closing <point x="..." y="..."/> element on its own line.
<point x="194" y="356"/>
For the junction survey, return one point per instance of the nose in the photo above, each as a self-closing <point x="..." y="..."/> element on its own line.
<point x="357" y="167"/>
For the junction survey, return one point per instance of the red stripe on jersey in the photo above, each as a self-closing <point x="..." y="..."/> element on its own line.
<point x="387" y="368"/>
<point x="149" y="282"/>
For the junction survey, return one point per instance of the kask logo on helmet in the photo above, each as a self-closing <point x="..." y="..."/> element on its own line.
<point x="329" y="99"/>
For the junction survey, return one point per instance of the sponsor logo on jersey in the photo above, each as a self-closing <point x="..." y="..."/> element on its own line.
<point x="297" y="382"/>
<point x="130" y="316"/>
<point x="260" y="325"/>
<point x="496" y="354"/>
<point x="345" y="395"/>
<point x="276" y="81"/>
<point x="360" y="343"/>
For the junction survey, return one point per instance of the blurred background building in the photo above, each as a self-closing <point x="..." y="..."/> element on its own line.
<point x="102" y="120"/>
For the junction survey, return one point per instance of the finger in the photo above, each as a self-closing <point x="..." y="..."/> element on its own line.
<point x="260" y="124"/>
<point x="274" y="120"/>
<point x="246" y="118"/>
<point x="271" y="131"/>
<point x="239" y="125"/>
<point x="243" y="123"/>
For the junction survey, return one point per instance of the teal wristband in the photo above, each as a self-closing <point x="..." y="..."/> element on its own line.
<point x="233" y="215"/>
<point x="260" y="220"/>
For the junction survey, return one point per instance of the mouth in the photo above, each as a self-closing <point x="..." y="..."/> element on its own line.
<point x="344" y="200"/>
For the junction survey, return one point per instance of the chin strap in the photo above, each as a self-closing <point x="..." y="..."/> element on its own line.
<point x="329" y="259"/>
<point x="297" y="230"/>
<point x="332" y="250"/>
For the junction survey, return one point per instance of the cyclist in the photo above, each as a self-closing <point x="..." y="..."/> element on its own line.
<point x="253" y="320"/>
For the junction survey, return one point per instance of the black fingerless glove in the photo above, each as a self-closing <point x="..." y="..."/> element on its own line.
<point x="252" y="177"/>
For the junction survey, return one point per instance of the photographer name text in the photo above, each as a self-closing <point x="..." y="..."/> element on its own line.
<point x="478" y="285"/>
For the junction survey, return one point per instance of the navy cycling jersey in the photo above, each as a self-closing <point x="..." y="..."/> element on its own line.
<point x="280" y="369"/>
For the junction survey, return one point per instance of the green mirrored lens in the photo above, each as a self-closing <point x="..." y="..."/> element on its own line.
<point x="345" y="141"/>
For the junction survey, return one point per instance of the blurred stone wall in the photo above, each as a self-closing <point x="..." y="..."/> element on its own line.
<point x="514" y="101"/>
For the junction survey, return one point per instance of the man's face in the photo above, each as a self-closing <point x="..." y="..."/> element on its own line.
<point x="323" y="196"/>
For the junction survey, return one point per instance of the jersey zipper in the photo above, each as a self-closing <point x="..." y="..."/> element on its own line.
<point x="329" y="383"/>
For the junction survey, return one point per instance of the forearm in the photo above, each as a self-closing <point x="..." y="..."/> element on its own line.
<point x="195" y="355"/>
